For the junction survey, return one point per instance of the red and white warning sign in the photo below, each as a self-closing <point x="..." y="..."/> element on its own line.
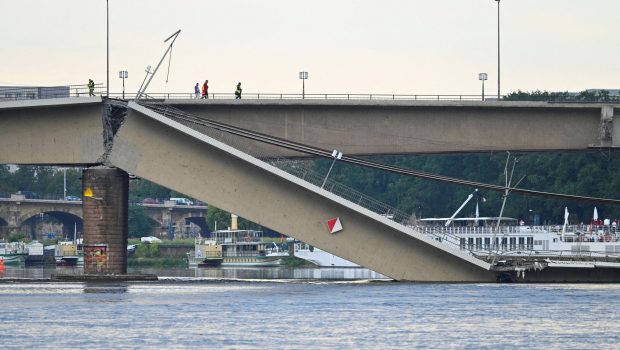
<point x="334" y="225"/>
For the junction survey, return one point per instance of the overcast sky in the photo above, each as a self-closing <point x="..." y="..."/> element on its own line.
<point x="347" y="46"/>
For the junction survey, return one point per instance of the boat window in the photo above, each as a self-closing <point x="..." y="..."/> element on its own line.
<point x="504" y="243"/>
<point x="487" y="243"/>
<point x="530" y="244"/>
<point x="470" y="243"/>
<point x="463" y="245"/>
<point x="513" y="243"/>
<point x="478" y="243"/>
<point x="521" y="242"/>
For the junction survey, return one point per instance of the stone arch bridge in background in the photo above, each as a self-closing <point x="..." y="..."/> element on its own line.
<point x="19" y="214"/>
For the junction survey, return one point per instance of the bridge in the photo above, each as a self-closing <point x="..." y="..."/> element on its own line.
<point x="70" y="132"/>
<point x="20" y="214"/>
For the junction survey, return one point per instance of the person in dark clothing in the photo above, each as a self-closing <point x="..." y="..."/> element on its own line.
<point x="91" y="87"/>
<point x="238" y="91"/>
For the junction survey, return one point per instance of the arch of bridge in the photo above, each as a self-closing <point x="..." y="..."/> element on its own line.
<point x="28" y="211"/>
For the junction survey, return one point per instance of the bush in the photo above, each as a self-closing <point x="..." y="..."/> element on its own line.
<point x="17" y="237"/>
<point x="147" y="251"/>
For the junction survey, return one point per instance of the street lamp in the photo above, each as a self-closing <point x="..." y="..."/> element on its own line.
<point x="303" y="76"/>
<point x="335" y="155"/>
<point x="498" y="51"/>
<point x="123" y="75"/>
<point x="107" y="10"/>
<point x="482" y="77"/>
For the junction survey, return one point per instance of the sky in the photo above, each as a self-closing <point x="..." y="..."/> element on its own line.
<point x="346" y="46"/>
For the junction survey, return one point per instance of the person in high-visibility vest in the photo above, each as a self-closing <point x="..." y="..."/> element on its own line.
<point x="91" y="87"/>
<point x="238" y="91"/>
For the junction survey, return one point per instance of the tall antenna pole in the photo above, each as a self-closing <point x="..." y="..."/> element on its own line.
<point x="499" y="95"/>
<point x="173" y="37"/>
<point x="107" y="85"/>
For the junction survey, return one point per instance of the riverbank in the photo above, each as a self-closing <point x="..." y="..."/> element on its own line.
<point x="173" y="254"/>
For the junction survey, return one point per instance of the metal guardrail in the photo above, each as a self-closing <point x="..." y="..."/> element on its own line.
<point x="16" y="93"/>
<point x="295" y="96"/>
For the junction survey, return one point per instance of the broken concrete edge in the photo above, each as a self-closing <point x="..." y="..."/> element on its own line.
<point x="113" y="116"/>
<point x="288" y="177"/>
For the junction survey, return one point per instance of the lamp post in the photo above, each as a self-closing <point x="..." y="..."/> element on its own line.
<point x="335" y="155"/>
<point x="123" y="75"/>
<point x="64" y="184"/>
<point x="482" y="77"/>
<point x="107" y="85"/>
<point x="498" y="56"/>
<point x="303" y="76"/>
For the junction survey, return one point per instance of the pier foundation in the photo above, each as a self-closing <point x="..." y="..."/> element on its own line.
<point x="105" y="206"/>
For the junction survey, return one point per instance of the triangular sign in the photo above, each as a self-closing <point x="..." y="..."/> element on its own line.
<point x="334" y="225"/>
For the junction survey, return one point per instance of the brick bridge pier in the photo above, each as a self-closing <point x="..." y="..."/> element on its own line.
<point x="105" y="210"/>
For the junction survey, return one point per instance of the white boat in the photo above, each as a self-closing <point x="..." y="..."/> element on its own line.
<point x="319" y="257"/>
<point x="529" y="241"/>
<point x="13" y="253"/>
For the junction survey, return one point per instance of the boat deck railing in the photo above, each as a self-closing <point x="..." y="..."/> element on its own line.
<point x="574" y="255"/>
<point x="584" y="233"/>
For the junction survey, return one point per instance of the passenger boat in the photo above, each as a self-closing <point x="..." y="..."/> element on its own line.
<point x="13" y="253"/>
<point x="566" y="241"/>
<point x="237" y="248"/>
<point x="69" y="253"/>
<point x="206" y="253"/>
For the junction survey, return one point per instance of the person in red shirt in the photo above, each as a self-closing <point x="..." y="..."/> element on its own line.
<point x="205" y="89"/>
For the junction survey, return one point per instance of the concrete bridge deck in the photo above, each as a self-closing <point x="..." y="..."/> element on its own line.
<point x="69" y="130"/>
<point x="362" y="127"/>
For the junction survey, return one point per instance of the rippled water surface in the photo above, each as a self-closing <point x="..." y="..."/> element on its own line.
<point x="212" y="312"/>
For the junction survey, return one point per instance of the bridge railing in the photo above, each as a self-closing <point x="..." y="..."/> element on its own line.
<point x="14" y="93"/>
<point x="297" y="96"/>
<point x="29" y="195"/>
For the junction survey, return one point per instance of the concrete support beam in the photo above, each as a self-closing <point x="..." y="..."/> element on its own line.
<point x="203" y="168"/>
<point x="105" y="220"/>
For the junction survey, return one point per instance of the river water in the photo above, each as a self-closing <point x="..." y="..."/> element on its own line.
<point x="270" y="309"/>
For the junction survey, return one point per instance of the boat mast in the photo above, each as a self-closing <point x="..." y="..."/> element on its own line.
<point x="507" y="188"/>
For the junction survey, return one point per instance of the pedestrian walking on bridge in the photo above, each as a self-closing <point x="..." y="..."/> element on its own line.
<point x="205" y="89"/>
<point x="197" y="90"/>
<point x="91" y="87"/>
<point x="238" y="92"/>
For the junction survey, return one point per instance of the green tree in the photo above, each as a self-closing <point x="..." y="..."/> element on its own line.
<point x="139" y="223"/>
<point x="140" y="189"/>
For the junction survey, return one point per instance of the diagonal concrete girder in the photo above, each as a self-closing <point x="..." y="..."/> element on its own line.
<point x="173" y="155"/>
<point x="53" y="131"/>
